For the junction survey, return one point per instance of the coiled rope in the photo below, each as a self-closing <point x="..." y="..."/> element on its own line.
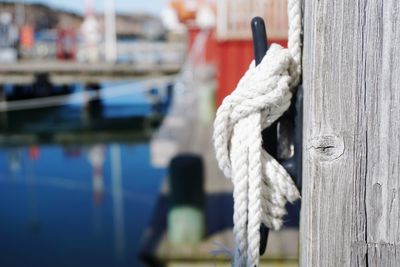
<point x="261" y="185"/>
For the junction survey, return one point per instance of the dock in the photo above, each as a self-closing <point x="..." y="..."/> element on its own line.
<point x="65" y="72"/>
<point x="194" y="134"/>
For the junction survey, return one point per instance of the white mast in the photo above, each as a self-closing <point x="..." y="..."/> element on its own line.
<point x="90" y="34"/>
<point x="110" y="35"/>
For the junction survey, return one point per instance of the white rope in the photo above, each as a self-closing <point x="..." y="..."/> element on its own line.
<point x="261" y="185"/>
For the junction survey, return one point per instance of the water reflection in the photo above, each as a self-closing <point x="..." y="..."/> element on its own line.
<point x="62" y="210"/>
<point x="117" y="194"/>
<point x="76" y="195"/>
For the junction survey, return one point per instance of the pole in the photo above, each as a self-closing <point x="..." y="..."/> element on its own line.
<point x="351" y="153"/>
<point x="110" y="34"/>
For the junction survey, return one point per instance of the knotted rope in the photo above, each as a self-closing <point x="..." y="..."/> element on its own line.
<point x="261" y="185"/>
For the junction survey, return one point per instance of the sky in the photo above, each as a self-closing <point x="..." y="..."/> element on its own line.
<point x="123" y="6"/>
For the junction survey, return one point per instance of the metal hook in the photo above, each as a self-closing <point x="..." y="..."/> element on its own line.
<point x="291" y="123"/>
<point x="260" y="49"/>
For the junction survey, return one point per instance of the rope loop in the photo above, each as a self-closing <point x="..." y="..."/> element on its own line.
<point x="262" y="187"/>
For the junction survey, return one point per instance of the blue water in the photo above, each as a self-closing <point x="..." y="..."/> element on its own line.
<point x="77" y="205"/>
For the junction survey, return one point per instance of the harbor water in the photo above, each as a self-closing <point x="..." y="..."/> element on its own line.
<point x="77" y="187"/>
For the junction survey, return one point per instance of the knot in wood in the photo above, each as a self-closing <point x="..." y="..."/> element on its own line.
<point x="326" y="147"/>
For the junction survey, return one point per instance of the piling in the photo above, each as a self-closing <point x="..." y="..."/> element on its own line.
<point x="186" y="220"/>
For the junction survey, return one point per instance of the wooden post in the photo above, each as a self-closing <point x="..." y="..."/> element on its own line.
<point x="351" y="174"/>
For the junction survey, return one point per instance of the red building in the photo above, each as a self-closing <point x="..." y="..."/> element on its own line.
<point x="229" y="46"/>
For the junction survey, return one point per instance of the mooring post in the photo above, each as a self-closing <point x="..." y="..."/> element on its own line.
<point x="351" y="153"/>
<point x="186" y="218"/>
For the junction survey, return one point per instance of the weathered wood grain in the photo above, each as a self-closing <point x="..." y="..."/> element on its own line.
<point x="351" y="167"/>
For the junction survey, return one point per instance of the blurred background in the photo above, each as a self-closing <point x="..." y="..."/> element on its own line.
<point x="106" y="110"/>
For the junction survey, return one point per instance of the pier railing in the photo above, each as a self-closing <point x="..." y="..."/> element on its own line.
<point x="234" y="16"/>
